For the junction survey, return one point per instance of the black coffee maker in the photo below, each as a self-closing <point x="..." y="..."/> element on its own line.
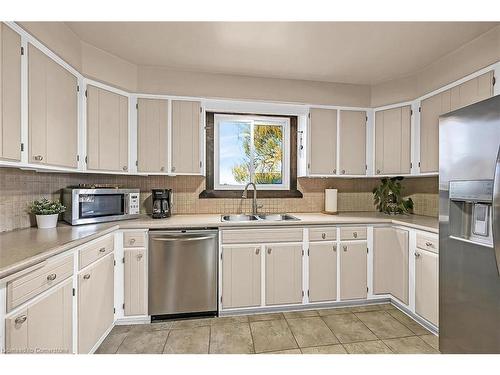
<point x="162" y="203"/>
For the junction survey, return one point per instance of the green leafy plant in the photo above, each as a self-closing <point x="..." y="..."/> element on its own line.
<point x="46" y="207"/>
<point x="388" y="197"/>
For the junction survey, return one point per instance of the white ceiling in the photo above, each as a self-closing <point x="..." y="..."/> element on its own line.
<point x="352" y="52"/>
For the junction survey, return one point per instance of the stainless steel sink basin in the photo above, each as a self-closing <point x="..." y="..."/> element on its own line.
<point x="268" y="217"/>
<point x="277" y="217"/>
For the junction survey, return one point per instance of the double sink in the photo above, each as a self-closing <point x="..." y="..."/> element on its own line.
<point x="269" y="217"/>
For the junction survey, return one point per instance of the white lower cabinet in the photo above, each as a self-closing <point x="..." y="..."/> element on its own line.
<point x="95" y="302"/>
<point x="283" y="274"/>
<point x="427" y="285"/>
<point x="353" y="270"/>
<point x="135" y="282"/>
<point x="322" y="271"/>
<point x="241" y="276"/>
<point x="44" y="326"/>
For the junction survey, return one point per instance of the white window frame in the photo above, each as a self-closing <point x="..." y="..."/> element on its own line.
<point x="284" y="122"/>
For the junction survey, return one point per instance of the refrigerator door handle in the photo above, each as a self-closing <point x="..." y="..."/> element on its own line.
<point x="496" y="211"/>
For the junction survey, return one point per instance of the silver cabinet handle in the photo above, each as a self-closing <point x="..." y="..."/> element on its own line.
<point x="355" y="234"/>
<point x="257" y="250"/>
<point x="125" y="168"/>
<point x="87" y="276"/>
<point x="131" y="241"/>
<point x="162" y="169"/>
<point x="334" y="247"/>
<point x="417" y="255"/>
<point x="102" y="250"/>
<point x="345" y="247"/>
<point x="38" y="157"/>
<point x="139" y="256"/>
<point x="323" y="235"/>
<point x="269" y="250"/>
<point x="51" y="277"/>
<point x="342" y="171"/>
<point x="378" y="171"/>
<point x="429" y="244"/>
<point x="20" y="319"/>
<point x="173" y="169"/>
<point x="334" y="171"/>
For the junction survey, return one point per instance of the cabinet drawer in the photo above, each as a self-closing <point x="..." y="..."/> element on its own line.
<point x="353" y="233"/>
<point x="262" y="235"/>
<point x="134" y="239"/>
<point x="322" y="234"/>
<point x="32" y="284"/>
<point x="95" y="251"/>
<point x="427" y="243"/>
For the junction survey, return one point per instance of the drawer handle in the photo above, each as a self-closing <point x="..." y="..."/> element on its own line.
<point x="87" y="276"/>
<point x="429" y="244"/>
<point x="20" y="319"/>
<point x="334" y="247"/>
<point x="417" y="255"/>
<point x="139" y="256"/>
<point x="269" y="250"/>
<point x="38" y="157"/>
<point x="323" y="235"/>
<point x="355" y="234"/>
<point x="51" y="277"/>
<point x="125" y="168"/>
<point x="345" y="247"/>
<point x="132" y="241"/>
<point x="257" y="250"/>
<point x="102" y="250"/>
<point x="378" y="171"/>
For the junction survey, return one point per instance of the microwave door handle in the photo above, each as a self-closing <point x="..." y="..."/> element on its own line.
<point x="496" y="212"/>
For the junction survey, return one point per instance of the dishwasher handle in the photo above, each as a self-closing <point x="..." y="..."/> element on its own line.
<point x="180" y="238"/>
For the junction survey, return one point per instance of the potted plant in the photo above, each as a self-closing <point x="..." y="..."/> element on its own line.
<point x="46" y="212"/>
<point x="388" y="197"/>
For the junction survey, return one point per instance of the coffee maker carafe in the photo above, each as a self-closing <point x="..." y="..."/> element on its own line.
<point x="162" y="203"/>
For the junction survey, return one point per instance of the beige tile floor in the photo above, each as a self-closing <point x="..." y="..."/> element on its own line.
<point x="354" y="330"/>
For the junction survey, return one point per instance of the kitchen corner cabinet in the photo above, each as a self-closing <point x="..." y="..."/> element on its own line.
<point x="283" y="274"/>
<point x="107" y="130"/>
<point x="427" y="285"/>
<point x="52" y="112"/>
<point x="10" y="94"/>
<point x="322" y="271"/>
<point x="95" y="302"/>
<point x="135" y="274"/>
<point x="44" y="326"/>
<point x="352" y="147"/>
<point x="392" y="141"/>
<point x="241" y="276"/>
<point x="152" y="135"/>
<point x="323" y="142"/>
<point x="186" y="126"/>
<point x="353" y="266"/>
<point x="390" y="262"/>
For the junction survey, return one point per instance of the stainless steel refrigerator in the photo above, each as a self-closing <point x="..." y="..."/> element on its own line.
<point x="469" y="229"/>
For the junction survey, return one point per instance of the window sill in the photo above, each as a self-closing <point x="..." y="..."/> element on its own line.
<point x="236" y="194"/>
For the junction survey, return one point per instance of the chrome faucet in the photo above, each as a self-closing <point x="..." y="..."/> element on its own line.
<point x="254" y="200"/>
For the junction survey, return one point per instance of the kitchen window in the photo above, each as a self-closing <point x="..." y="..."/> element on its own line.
<point x="249" y="148"/>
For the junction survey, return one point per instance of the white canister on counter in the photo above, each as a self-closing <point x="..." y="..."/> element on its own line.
<point x="331" y="201"/>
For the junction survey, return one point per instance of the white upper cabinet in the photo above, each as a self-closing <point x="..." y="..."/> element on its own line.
<point x="107" y="130"/>
<point x="10" y="94"/>
<point x="352" y="146"/>
<point x="323" y="142"/>
<point x="53" y="112"/>
<point x="186" y="156"/>
<point x="152" y="135"/>
<point x="392" y="141"/>
<point x="472" y="91"/>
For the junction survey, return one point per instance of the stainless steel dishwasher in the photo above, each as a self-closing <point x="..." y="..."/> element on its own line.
<point x="182" y="273"/>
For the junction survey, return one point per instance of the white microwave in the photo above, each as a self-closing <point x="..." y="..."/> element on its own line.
<point x="86" y="206"/>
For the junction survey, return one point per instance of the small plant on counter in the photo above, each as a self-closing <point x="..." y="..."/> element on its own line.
<point x="46" y="212"/>
<point x="388" y="197"/>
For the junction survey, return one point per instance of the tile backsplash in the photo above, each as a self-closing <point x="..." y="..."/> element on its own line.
<point x="18" y="188"/>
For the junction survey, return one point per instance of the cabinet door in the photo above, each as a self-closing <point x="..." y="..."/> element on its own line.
<point x="186" y="137"/>
<point x="152" y="135"/>
<point x="135" y="282"/>
<point x="322" y="271"/>
<point x="392" y="140"/>
<point x="10" y="94"/>
<point x="241" y="276"/>
<point x="353" y="261"/>
<point x="323" y="142"/>
<point x="427" y="285"/>
<point x="431" y="109"/>
<point x="95" y="302"/>
<point x="352" y="153"/>
<point x="107" y="130"/>
<point x="472" y="91"/>
<point x="53" y="115"/>
<point x="283" y="274"/>
<point x="45" y="326"/>
<point x="390" y="262"/>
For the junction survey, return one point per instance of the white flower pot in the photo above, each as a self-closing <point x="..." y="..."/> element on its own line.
<point x="46" y="221"/>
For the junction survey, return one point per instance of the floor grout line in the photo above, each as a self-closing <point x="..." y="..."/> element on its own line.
<point x="165" y="344"/>
<point x="251" y="336"/>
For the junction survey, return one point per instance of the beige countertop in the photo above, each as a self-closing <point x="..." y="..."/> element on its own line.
<point x="24" y="248"/>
